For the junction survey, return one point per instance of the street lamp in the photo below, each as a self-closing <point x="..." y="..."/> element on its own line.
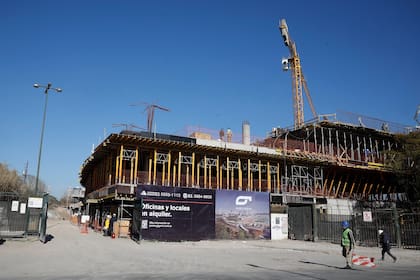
<point x="47" y="88"/>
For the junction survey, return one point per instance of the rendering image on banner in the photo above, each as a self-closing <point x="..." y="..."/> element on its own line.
<point x="242" y="215"/>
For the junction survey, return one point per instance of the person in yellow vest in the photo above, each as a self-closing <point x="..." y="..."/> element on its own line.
<point x="106" y="225"/>
<point x="347" y="243"/>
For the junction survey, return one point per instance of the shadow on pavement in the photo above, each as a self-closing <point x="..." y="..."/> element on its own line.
<point x="48" y="238"/>
<point x="327" y="265"/>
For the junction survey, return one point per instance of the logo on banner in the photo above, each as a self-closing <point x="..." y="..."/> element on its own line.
<point x="243" y="200"/>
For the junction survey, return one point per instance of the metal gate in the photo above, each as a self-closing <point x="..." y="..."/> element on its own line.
<point x="300" y="221"/>
<point x="18" y="218"/>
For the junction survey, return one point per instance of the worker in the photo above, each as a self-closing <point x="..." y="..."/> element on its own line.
<point x="111" y="223"/>
<point x="347" y="243"/>
<point x="385" y="242"/>
<point x="106" y="225"/>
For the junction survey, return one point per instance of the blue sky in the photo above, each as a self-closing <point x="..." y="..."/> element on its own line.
<point x="213" y="63"/>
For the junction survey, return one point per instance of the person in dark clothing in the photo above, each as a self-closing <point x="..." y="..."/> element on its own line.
<point x="385" y="242"/>
<point x="111" y="223"/>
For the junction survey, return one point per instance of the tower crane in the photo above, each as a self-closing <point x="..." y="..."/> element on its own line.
<point x="150" y="108"/>
<point x="298" y="80"/>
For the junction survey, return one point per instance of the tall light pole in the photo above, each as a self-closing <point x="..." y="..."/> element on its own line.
<point x="47" y="88"/>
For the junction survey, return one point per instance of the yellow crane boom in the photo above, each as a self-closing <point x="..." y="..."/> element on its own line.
<point x="298" y="80"/>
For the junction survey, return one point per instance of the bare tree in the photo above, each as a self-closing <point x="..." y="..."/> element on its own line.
<point x="10" y="181"/>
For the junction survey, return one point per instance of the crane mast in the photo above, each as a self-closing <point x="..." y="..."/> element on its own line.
<point x="298" y="80"/>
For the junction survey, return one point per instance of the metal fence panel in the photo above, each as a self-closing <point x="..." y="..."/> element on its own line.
<point x="300" y="222"/>
<point x="410" y="230"/>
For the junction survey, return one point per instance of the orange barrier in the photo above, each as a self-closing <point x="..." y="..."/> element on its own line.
<point x="363" y="261"/>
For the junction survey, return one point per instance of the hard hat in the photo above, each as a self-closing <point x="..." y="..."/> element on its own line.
<point x="345" y="224"/>
<point x="114" y="214"/>
<point x="380" y="231"/>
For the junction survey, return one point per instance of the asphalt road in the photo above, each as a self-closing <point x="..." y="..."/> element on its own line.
<point x="71" y="254"/>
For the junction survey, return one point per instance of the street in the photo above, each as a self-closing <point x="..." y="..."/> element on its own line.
<point x="71" y="254"/>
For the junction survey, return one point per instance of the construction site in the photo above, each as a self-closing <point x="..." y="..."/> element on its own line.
<point x="310" y="176"/>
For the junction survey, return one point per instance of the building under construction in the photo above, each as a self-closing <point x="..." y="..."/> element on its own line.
<point x="324" y="166"/>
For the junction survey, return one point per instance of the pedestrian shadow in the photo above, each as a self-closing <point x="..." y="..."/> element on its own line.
<point x="48" y="238"/>
<point x="327" y="265"/>
<point x="2" y="241"/>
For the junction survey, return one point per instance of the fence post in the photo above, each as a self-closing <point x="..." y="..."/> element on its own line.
<point x="314" y="223"/>
<point x="396" y="224"/>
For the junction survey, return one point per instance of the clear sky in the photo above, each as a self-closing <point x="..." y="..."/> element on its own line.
<point x="213" y="63"/>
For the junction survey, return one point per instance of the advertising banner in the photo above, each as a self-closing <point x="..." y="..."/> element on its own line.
<point x="172" y="214"/>
<point x="242" y="215"/>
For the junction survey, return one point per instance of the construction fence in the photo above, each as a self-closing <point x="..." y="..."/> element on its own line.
<point x="21" y="216"/>
<point x="403" y="228"/>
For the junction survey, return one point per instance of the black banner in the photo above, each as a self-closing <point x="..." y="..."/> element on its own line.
<point x="172" y="214"/>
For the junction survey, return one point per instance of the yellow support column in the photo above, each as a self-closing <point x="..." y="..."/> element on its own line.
<point x="154" y="166"/>
<point x="198" y="175"/>
<point x="205" y="171"/>
<point x="136" y="166"/>
<point x="179" y="168"/>
<point x="210" y="177"/>
<point x="345" y="186"/>
<point x="221" y="178"/>
<point x="192" y="168"/>
<point x="150" y="168"/>
<point x="259" y="175"/>
<point x="169" y="168"/>
<point x="232" y="179"/>
<point x="174" y="176"/>
<point x="131" y="171"/>
<point x="163" y="173"/>
<point x="338" y="187"/>
<point x="249" y="175"/>
<point x="121" y="162"/>
<point x="240" y="174"/>
<point x="187" y="175"/>
<point x="217" y="173"/>
<point x="117" y="169"/>
<point x="331" y="184"/>
<point x="268" y="177"/>
<point x="227" y="173"/>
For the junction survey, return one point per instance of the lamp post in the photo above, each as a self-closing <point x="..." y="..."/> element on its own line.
<point x="47" y="88"/>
